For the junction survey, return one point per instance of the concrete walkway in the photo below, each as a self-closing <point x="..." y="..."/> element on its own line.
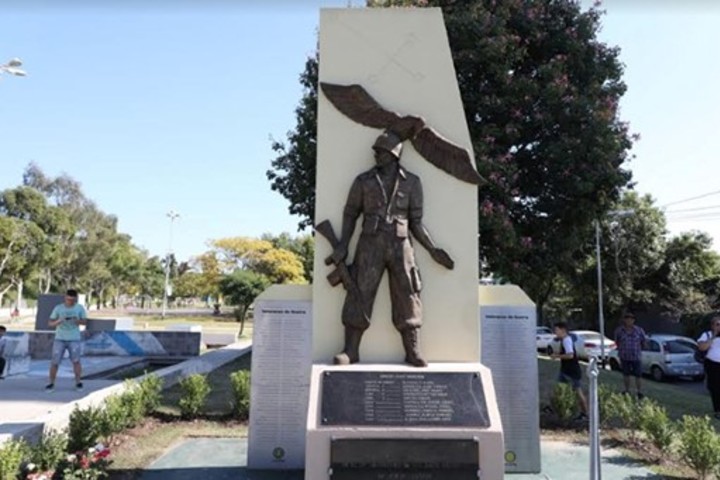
<point x="26" y="408"/>
<point x="225" y="459"/>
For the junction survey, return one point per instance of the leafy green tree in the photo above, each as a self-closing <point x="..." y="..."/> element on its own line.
<point x="277" y="264"/>
<point x="541" y="95"/>
<point x="240" y="288"/>
<point x="20" y="242"/>
<point x="303" y="246"/>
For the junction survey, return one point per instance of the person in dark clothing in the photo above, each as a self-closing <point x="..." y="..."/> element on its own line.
<point x="3" y="342"/>
<point x="570" y="371"/>
<point x="710" y="342"/>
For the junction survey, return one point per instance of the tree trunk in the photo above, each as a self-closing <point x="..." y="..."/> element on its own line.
<point x="243" y="314"/>
<point x="19" y="301"/>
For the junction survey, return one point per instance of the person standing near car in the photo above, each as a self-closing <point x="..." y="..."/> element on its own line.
<point x="709" y="342"/>
<point x="630" y="340"/>
<point x="570" y="371"/>
<point x="66" y="318"/>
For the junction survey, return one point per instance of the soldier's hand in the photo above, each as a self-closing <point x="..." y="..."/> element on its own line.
<point x="338" y="255"/>
<point x="442" y="257"/>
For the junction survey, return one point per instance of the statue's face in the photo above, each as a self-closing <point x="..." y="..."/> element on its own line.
<point x="384" y="158"/>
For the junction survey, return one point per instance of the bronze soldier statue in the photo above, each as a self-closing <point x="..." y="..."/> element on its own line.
<point x="390" y="200"/>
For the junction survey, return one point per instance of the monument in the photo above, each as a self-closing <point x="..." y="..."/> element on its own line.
<point x="418" y="404"/>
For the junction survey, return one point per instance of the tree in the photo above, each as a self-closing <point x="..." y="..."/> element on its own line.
<point x="540" y="93"/>
<point x="303" y="246"/>
<point x="20" y="242"/>
<point x="276" y="264"/>
<point x="240" y="288"/>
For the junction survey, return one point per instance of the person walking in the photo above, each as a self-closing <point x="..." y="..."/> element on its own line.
<point x="709" y="342"/>
<point x="3" y="342"/>
<point x="570" y="371"/>
<point x="67" y="318"/>
<point x="630" y="340"/>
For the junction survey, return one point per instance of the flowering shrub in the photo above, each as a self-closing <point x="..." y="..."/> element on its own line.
<point x="32" y="472"/>
<point x="90" y="464"/>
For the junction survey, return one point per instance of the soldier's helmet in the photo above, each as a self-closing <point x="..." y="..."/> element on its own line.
<point x="390" y="142"/>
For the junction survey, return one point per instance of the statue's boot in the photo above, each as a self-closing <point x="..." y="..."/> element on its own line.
<point x="412" y="348"/>
<point x="351" y="352"/>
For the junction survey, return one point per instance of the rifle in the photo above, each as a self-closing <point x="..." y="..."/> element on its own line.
<point x="340" y="274"/>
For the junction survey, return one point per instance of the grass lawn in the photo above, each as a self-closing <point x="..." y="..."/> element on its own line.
<point x="679" y="401"/>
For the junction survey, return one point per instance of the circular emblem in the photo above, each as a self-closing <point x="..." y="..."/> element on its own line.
<point x="278" y="453"/>
<point x="510" y="457"/>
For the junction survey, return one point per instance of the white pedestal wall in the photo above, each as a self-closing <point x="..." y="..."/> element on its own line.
<point x="317" y="456"/>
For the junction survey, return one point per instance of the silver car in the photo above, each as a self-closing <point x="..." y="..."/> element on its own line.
<point x="543" y="337"/>
<point x="666" y="356"/>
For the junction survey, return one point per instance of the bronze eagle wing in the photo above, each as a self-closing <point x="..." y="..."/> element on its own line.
<point x="357" y="104"/>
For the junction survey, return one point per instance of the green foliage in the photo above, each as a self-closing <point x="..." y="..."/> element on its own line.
<point x="626" y="410"/>
<point x="134" y="403"/>
<point x="195" y="390"/>
<point x="240" y="288"/>
<point x="656" y="425"/>
<point x="564" y="403"/>
<point x="240" y="382"/>
<point x="49" y="451"/>
<point x="84" y="429"/>
<point x="605" y="399"/>
<point x="303" y="246"/>
<point x="151" y="388"/>
<point x="113" y="418"/>
<point x="12" y="455"/>
<point x="89" y="464"/>
<point x="699" y="445"/>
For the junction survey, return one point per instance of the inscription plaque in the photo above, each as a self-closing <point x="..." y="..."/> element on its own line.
<point x="404" y="459"/>
<point x="413" y="399"/>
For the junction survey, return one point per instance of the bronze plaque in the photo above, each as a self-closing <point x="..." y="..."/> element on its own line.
<point x="404" y="399"/>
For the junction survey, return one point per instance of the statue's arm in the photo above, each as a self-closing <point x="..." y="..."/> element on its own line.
<point x="421" y="233"/>
<point x="353" y="208"/>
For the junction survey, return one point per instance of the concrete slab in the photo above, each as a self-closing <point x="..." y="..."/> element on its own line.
<point x="221" y="459"/>
<point x="571" y="461"/>
<point x="92" y="366"/>
<point x="211" y="459"/>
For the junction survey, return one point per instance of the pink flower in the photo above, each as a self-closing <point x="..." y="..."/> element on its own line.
<point x="486" y="207"/>
<point x="526" y="242"/>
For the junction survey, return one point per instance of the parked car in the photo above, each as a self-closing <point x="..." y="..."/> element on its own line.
<point x="543" y="337"/>
<point x="667" y="356"/>
<point x="587" y="344"/>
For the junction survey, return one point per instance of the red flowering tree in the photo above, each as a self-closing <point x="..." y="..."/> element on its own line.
<point x="541" y="96"/>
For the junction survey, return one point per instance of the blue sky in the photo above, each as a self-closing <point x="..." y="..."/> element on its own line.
<point x="172" y="107"/>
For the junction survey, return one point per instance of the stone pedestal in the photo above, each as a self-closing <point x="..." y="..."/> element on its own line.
<point x="392" y="421"/>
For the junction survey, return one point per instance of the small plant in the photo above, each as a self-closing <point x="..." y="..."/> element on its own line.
<point x="240" y="382"/>
<point x="12" y="456"/>
<point x="605" y="396"/>
<point x="49" y="451"/>
<point x="656" y="425"/>
<point x="626" y="410"/>
<point x="151" y="387"/>
<point x="564" y="403"/>
<point x="114" y="418"/>
<point x="195" y="390"/>
<point x="133" y="403"/>
<point x="699" y="445"/>
<point x="88" y="464"/>
<point x="84" y="428"/>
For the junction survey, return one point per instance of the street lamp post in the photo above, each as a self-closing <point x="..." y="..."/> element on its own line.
<point x="172" y="215"/>
<point x="13" y="68"/>
<point x="601" y="310"/>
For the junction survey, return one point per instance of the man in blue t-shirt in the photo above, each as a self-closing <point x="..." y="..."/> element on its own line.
<point x="66" y="318"/>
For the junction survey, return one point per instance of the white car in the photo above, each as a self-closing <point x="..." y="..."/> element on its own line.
<point x="544" y="337"/>
<point x="665" y="356"/>
<point x="587" y="344"/>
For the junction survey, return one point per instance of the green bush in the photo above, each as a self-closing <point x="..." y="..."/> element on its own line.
<point x="49" y="451"/>
<point x="113" y="419"/>
<point x="699" y="445"/>
<point x="84" y="428"/>
<point x="656" y="425"/>
<point x="194" y="392"/>
<point x="151" y="387"/>
<point x="240" y="382"/>
<point x="605" y="399"/>
<point x="564" y="403"/>
<point x="626" y="410"/>
<point x="12" y="456"/>
<point x="134" y="403"/>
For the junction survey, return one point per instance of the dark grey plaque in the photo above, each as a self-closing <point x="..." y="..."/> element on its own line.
<point x="404" y="459"/>
<point x="412" y="399"/>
